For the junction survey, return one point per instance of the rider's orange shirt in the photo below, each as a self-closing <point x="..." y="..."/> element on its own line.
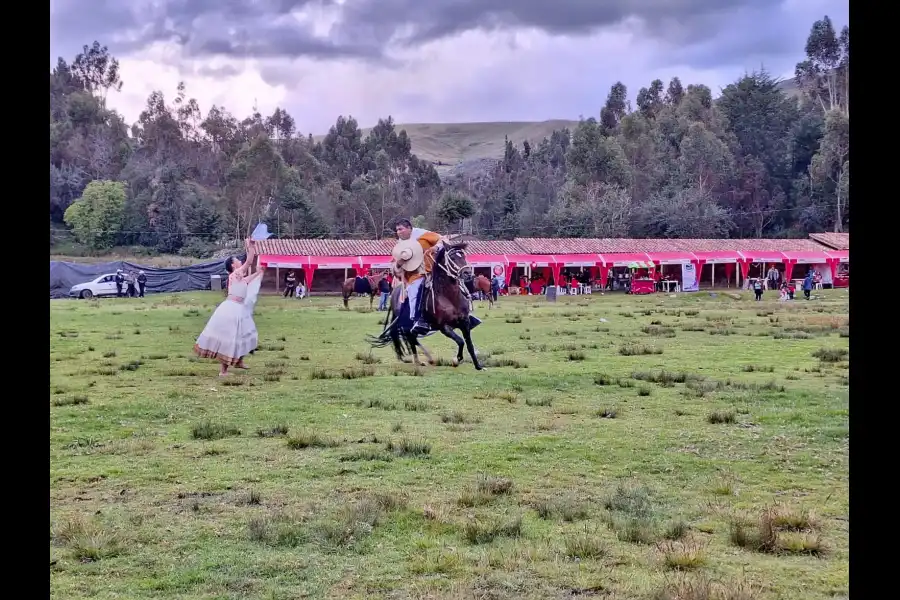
<point x="427" y="240"/>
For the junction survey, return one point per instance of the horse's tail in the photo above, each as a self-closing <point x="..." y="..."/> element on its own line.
<point x="390" y="321"/>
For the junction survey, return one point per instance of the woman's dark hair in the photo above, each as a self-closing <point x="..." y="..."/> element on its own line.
<point x="404" y="222"/>
<point x="229" y="264"/>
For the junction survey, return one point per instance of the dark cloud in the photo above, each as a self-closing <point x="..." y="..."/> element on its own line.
<point x="416" y="21"/>
<point x="265" y="28"/>
<point x="239" y="28"/>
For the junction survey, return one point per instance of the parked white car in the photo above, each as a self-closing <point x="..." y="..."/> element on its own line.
<point x="105" y="285"/>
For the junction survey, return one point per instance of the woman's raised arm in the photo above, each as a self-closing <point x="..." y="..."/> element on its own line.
<point x="250" y="245"/>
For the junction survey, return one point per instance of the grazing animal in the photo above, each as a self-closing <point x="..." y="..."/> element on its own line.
<point x="446" y="306"/>
<point x="483" y="284"/>
<point x="369" y="286"/>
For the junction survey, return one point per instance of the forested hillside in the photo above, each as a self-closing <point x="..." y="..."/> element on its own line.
<point x="754" y="163"/>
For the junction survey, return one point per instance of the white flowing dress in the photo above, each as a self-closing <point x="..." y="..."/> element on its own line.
<point x="231" y="333"/>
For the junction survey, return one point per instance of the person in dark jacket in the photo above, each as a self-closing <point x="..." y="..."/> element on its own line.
<point x="384" y="288"/>
<point x="120" y="281"/>
<point x="290" y="284"/>
<point x="807" y="284"/>
<point x="142" y="283"/>
<point x="757" y="286"/>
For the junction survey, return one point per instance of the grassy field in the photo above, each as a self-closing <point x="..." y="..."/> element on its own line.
<point x="616" y="447"/>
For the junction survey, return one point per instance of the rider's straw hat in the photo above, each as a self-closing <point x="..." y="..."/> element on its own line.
<point x="409" y="253"/>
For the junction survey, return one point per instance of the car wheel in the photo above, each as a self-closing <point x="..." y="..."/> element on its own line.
<point x="86" y="294"/>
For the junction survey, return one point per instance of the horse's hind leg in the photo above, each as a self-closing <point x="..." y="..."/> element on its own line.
<point x="467" y="336"/>
<point x="395" y="340"/>
<point x="448" y="331"/>
<point x="425" y="352"/>
<point x="411" y="339"/>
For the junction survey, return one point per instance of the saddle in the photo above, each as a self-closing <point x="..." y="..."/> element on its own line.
<point x="361" y="285"/>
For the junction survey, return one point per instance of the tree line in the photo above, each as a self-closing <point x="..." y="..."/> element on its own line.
<point x="755" y="162"/>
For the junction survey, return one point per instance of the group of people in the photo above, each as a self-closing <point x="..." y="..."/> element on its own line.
<point x="787" y="289"/>
<point x="293" y="287"/>
<point x="129" y="285"/>
<point x="230" y="334"/>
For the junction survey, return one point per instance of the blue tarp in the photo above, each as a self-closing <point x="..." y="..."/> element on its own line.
<point x="63" y="275"/>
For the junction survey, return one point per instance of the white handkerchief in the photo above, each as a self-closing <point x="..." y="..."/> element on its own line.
<point x="261" y="232"/>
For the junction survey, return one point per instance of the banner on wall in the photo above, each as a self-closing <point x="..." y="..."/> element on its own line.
<point x="689" y="281"/>
<point x="498" y="270"/>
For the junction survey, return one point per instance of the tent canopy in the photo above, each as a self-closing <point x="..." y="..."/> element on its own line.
<point x="672" y="258"/>
<point x="579" y="260"/>
<point x="623" y="259"/>
<point x="486" y="260"/>
<point x="840" y="255"/>
<point x="807" y="257"/>
<point x="641" y="265"/>
<point x="538" y="260"/>
<point x="720" y="256"/>
<point x="766" y="256"/>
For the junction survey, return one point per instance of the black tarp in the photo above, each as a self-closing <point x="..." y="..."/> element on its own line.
<point x="63" y="275"/>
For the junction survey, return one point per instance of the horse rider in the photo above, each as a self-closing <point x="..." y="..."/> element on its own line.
<point x="413" y="266"/>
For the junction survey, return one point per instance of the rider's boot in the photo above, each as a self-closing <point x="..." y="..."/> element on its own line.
<point x="419" y="327"/>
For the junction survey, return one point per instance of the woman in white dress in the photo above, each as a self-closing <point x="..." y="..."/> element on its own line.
<point x="231" y="334"/>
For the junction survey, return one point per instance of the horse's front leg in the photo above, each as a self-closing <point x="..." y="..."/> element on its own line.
<point x="448" y="331"/>
<point x="467" y="336"/>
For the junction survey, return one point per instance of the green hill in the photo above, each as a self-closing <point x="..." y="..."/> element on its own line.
<point x="448" y="144"/>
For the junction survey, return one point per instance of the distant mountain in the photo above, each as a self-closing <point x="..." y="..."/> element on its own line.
<point x="790" y="87"/>
<point x="449" y="144"/>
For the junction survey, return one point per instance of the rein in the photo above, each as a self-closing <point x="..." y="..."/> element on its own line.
<point x="453" y="271"/>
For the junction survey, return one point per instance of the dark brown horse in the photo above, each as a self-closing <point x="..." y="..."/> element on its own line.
<point x="483" y="284"/>
<point x="446" y="306"/>
<point x="349" y="288"/>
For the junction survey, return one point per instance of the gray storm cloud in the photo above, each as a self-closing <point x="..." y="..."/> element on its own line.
<point x="367" y="28"/>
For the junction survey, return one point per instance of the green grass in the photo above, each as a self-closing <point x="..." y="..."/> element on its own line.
<point x="614" y="475"/>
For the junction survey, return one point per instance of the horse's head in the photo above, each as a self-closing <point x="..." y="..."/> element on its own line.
<point x="451" y="259"/>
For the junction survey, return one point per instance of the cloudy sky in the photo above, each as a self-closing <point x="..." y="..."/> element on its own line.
<point x="430" y="60"/>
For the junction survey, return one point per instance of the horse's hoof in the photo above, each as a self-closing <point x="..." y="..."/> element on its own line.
<point x="454" y="362"/>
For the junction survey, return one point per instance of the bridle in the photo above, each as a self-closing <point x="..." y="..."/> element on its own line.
<point x="455" y="271"/>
